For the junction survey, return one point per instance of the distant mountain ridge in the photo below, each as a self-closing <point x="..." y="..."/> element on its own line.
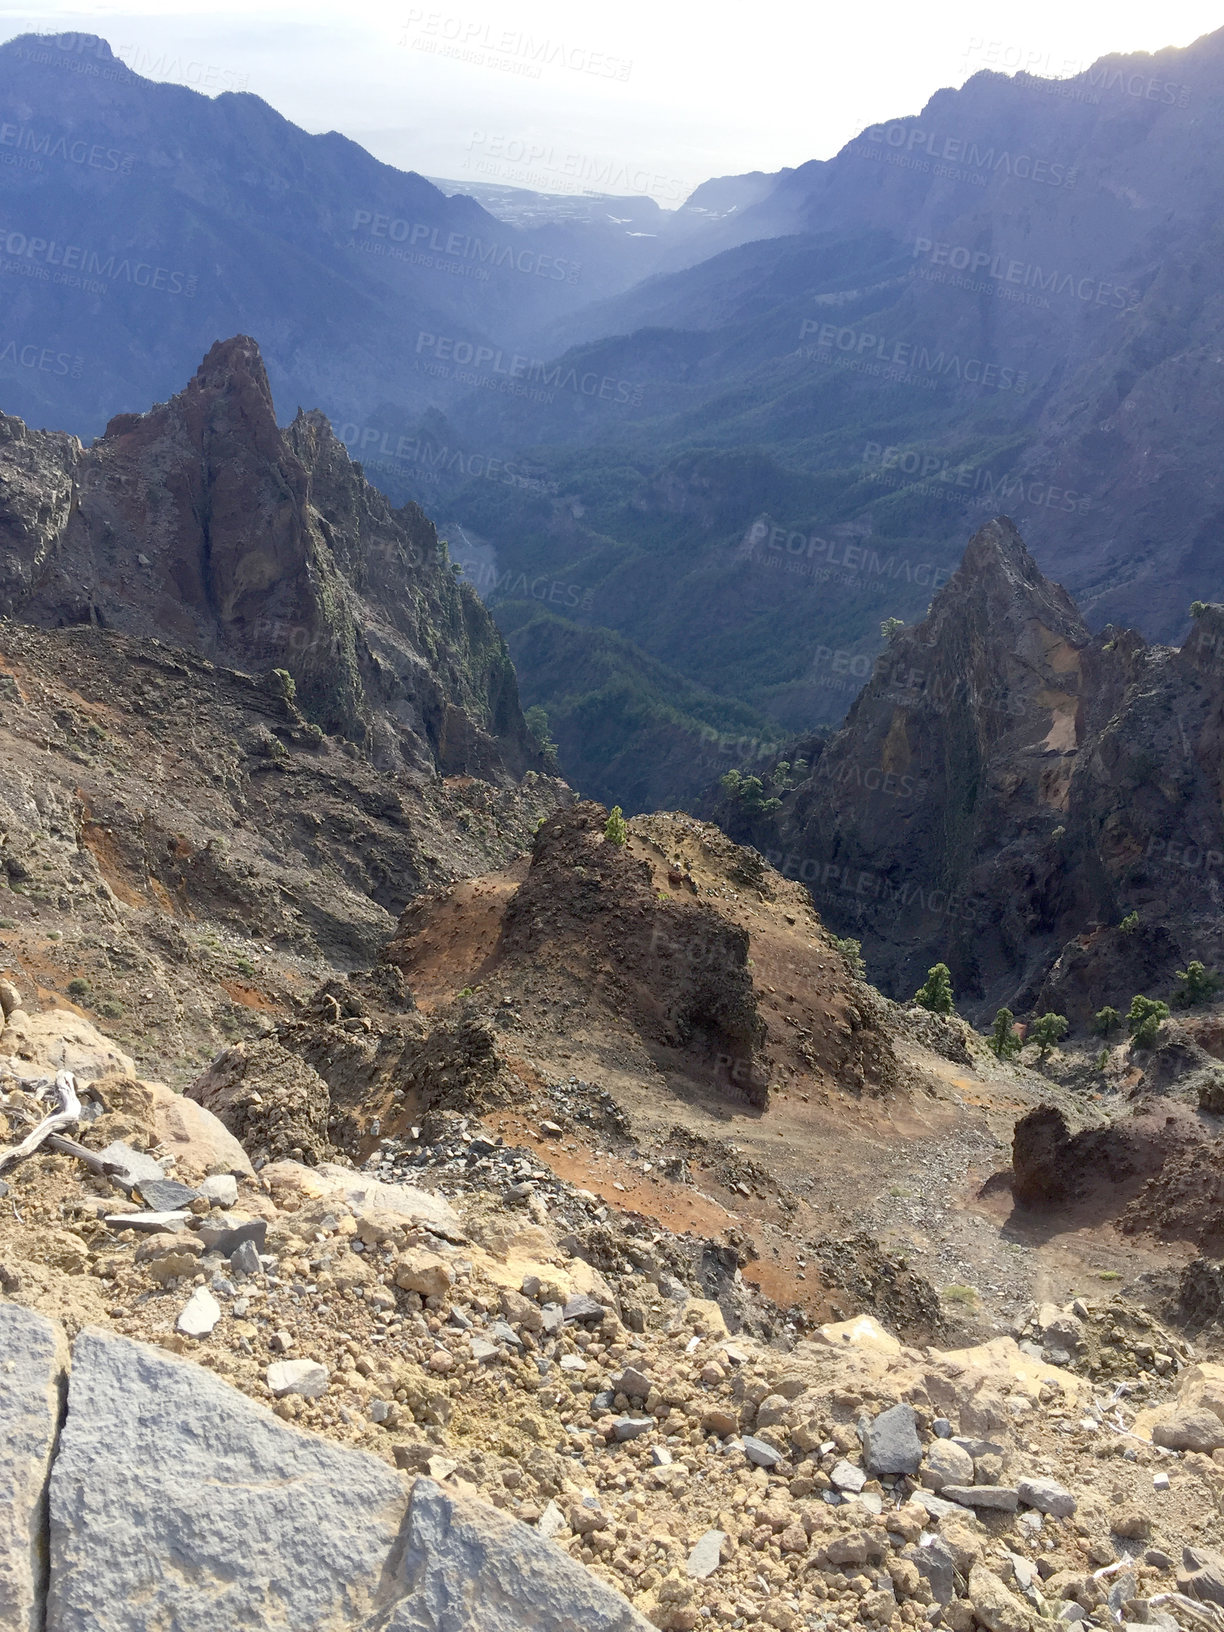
<point x="140" y="220"/>
<point x="1012" y="300"/>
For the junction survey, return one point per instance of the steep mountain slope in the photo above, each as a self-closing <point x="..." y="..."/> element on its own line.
<point x="182" y="853"/>
<point x="1007" y="788"/>
<point x="203" y="523"/>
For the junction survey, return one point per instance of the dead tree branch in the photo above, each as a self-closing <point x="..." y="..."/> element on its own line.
<point x="67" y="1116"/>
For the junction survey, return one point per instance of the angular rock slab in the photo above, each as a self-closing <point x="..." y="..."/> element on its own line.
<point x="33" y="1365"/>
<point x="177" y="1502"/>
<point x="891" y="1443"/>
<point x="468" y="1568"/>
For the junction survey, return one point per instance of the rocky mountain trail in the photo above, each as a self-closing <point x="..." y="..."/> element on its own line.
<point x="474" y="1342"/>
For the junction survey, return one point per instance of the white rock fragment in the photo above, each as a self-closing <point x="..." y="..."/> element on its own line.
<point x="305" y="1377"/>
<point x="200" y="1314"/>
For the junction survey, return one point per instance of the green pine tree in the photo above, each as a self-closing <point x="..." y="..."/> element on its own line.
<point x="1003" y="1042"/>
<point x="936" y="993"/>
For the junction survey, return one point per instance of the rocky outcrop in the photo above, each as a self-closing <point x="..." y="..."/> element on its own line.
<point x="1008" y="788"/>
<point x="204" y="524"/>
<point x="174" y="1500"/>
<point x="276" y="1103"/>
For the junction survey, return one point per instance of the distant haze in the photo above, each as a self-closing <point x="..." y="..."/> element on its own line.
<point x="639" y="97"/>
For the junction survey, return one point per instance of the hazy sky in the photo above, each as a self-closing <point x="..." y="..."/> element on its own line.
<point x="651" y="97"/>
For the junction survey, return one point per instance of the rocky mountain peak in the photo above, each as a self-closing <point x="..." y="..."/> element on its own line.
<point x="203" y="523"/>
<point x="999" y="572"/>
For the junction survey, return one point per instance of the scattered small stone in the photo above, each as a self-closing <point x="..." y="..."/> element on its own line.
<point x="244" y="1260"/>
<point x="305" y="1377"/>
<point x="167" y="1195"/>
<point x="660" y="1456"/>
<point x="721" y="1423"/>
<point x="891" y="1443"/>
<point x="995" y="1607"/>
<point x="221" y="1188"/>
<point x="551" y="1521"/>
<point x="759" y="1453"/>
<point x="1196" y="1430"/>
<point x="149" y="1223"/>
<point x="629" y="1427"/>
<point x="224" y="1233"/>
<point x="1047" y="1496"/>
<point x="632" y="1383"/>
<point x="200" y="1314"/>
<point x="946" y="1463"/>
<point x="846" y="1476"/>
<point x="706" y="1556"/>
<point x="584" y="1307"/>
<point x="1004" y="1498"/>
<point x="1202" y="1575"/>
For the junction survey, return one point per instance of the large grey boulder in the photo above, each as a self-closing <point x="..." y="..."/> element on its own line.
<point x="33" y="1364"/>
<point x="176" y="1502"/>
<point x="467" y="1566"/>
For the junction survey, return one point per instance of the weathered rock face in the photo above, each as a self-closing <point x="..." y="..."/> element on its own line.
<point x="174" y="1500"/>
<point x="203" y="523"/>
<point x="33" y="1363"/>
<point x="1007" y="788"/>
<point x="686" y="976"/>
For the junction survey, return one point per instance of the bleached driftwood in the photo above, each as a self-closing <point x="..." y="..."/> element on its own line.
<point x="67" y="1116"/>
